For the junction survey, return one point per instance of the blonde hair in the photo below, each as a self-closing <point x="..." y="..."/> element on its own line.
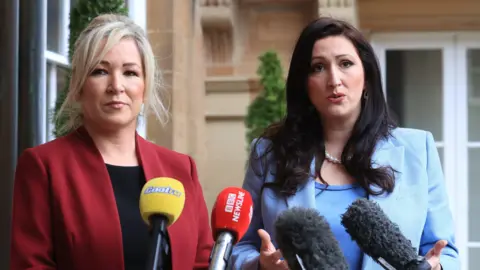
<point x="93" y="43"/>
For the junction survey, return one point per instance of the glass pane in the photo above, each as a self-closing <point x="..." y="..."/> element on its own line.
<point x="473" y="191"/>
<point x="59" y="78"/>
<point x="473" y="258"/>
<point x="440" y="153"/>
<point x="414" y="89"/>
<point x="62" y="79"/>
<point x="473" y="73"/>
<point x="53" y="25"/>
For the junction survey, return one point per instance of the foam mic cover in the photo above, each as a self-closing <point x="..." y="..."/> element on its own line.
<point x="306" y="241"/>
<point x="231" y="217"/>
<point x="162" y="196"/>
<point x="161" y="203"/>
<point x="380" y="238"/>
<point x="232" y="212"/>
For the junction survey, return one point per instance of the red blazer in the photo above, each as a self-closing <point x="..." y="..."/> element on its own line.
<point x="65" y="215"/>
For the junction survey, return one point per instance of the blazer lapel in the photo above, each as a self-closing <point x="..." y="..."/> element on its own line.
<point x="149" y="159"/>
<point x="386" y="154"/>
<point x="100" y="189"/>
<point x="153" y="167"/>
<point x="305" y="196"/>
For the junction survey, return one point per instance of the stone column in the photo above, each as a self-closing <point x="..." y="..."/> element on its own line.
<point x="197" y="134"/>
<point x="174" y="31"/>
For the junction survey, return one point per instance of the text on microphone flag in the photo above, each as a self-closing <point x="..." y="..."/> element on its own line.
<point x="162" y="196"/>
<point x="234" y="204"/>
<point x="166" y="190"/>
<point x="232" y="212"/>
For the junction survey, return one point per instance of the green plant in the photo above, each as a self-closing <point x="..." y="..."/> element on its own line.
<point x="80" y="16"/>
<point x="270" y="104"/>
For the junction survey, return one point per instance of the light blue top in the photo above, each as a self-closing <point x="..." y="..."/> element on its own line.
<point x="418" y="205"/>
<point x="332" y="202"/>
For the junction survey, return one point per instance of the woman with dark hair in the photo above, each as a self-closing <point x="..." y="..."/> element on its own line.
<point x="338" y="143"/>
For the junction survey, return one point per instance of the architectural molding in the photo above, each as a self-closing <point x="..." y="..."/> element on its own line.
<point x="227" y="84"/>
<point x="217" y="16"/>
<point x="218" y="44"/>
<point x="217" y="20"/>
<point x="339" y="9"/>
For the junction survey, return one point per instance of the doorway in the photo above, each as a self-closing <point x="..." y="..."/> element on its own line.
<point x="432" y="82"/>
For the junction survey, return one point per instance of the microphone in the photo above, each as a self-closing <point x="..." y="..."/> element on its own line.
<point x="306" y="241"/>
<point x="161" y="203"/>
<point x="231" y="217"/>
<point x="380" y="238"/>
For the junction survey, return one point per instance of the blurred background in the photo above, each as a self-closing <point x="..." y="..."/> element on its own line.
<point x="210" y="51"/>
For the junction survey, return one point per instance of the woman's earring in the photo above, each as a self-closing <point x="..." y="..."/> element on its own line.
<point x="365" y="94"/>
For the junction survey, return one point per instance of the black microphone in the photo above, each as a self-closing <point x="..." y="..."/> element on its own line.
<point x="380" y="238"/>
<point x="306" y="241"/>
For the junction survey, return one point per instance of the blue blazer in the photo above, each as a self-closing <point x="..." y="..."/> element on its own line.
<point x="418" y="204"/>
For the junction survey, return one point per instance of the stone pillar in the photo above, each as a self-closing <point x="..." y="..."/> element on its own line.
<point x="197" y="135"/>
<point x="174" y="31"/>
<point x="339" y="9"/>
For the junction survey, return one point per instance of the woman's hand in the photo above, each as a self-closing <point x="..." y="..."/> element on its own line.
<point x="433" y="255"/>
<point x="270" y="258"/>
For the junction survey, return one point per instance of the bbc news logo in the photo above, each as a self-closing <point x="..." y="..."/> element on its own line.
<point x="230" y="202"/>
<point x="234" y="205"/>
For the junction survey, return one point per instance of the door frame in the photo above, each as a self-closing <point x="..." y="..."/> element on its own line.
<point x="455" y="152"/>
<point x="465" y="41"/>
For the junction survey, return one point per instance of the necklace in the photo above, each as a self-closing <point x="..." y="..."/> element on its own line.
<point x="331" y="158"/>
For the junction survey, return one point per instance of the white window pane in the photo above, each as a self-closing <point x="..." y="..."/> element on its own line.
<point x="473" y="198"/>
<point x="54" y="16"/>
<point x="473" y="258"/>
<point x="414" y="88"/>
<point x="56" y="83"/>
<point x="440" y="153"/>
<point x="473" y="73"/>
<point x="62" y="79"/>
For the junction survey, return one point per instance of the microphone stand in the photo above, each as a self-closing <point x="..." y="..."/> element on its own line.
<point x="384" y="264"/>
<point x="419" y="264"/>
<point x="221" y="251"/>
<point x="155" y="255"/>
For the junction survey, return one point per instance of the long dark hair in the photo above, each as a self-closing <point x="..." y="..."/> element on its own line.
<point x="299" y="137"/>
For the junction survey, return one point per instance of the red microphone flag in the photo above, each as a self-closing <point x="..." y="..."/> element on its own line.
<point x="232" y="212"/>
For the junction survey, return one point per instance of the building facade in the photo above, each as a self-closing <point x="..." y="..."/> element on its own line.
<point x="429" y="52"/>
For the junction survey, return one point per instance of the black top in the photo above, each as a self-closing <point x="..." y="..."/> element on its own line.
<point x="127" y="185"/>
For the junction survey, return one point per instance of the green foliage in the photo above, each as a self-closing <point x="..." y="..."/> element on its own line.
<point x="270" y="104"/>
<point x="80" y="16"/>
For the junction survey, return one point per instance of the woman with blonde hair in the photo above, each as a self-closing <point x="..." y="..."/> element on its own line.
<point x="76" y="198"/>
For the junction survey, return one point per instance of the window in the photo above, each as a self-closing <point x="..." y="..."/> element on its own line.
<point x="56" y="55"/>
<point x="473" y="63"/>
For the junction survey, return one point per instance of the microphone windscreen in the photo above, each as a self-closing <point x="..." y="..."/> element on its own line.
<point x="377" y="235"/>
<point x="304" y="232"/>
<point x="162" y="196"/>
<point x="232" y="212"/>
